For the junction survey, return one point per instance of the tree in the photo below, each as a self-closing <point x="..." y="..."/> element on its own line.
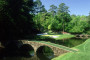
<point x="43" y="9"/>
<point x="63" y="8"/>
<point x="78" y="24"/>
<point x="39" y="11"/>
<point x="54" y="25"/>
<point x="63" y="15"/>
<point x="42" y="21"/>
<point x="53" y="10"/>
<point x="89" y="18"/>
<point x="38" y="7"/>
<point x="15" y="19"/>
<point x="88" y="22"/>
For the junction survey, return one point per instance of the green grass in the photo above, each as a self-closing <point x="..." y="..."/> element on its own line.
<point x="82" y="54"/>
<point x="59" y="36"/>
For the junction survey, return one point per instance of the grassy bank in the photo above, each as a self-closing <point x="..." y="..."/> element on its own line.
<point x="82" y="54"/>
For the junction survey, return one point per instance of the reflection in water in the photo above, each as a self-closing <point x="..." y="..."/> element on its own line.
<point x="45" y="52"/>
<point x="70" y="42"/>
<point x="41" y="57"/>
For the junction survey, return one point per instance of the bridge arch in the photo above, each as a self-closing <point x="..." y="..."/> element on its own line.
<point x="43" y="48"/>
<point x="44" y="51"/>
<point x="27" y="50"/>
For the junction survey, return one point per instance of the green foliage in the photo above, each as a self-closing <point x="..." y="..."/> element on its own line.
<point x="63" y="16"/>
<point x="38" y="7"/>
<point x="53" y="25"/>
<point x="42" y="21"/>
<point x="78" y="24"/>
<point x="88" y="27"/>
<point x="63" y="8"/>
<point x="88" y="32"/>
<point x="64" y="19"/>
<point x="58" y="19"/>
<point x="16" y="19"/>
<point x="53" y="10"/>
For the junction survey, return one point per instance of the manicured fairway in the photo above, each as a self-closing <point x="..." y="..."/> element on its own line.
<point x="82" y="54"/>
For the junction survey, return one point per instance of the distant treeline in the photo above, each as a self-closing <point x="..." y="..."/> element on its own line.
<point x="19" y="18"/>
<point x="58" y="19"/>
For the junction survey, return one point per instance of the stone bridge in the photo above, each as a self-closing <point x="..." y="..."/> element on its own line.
<point x="82" y="36"/>
<point x="57" y="49"/>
